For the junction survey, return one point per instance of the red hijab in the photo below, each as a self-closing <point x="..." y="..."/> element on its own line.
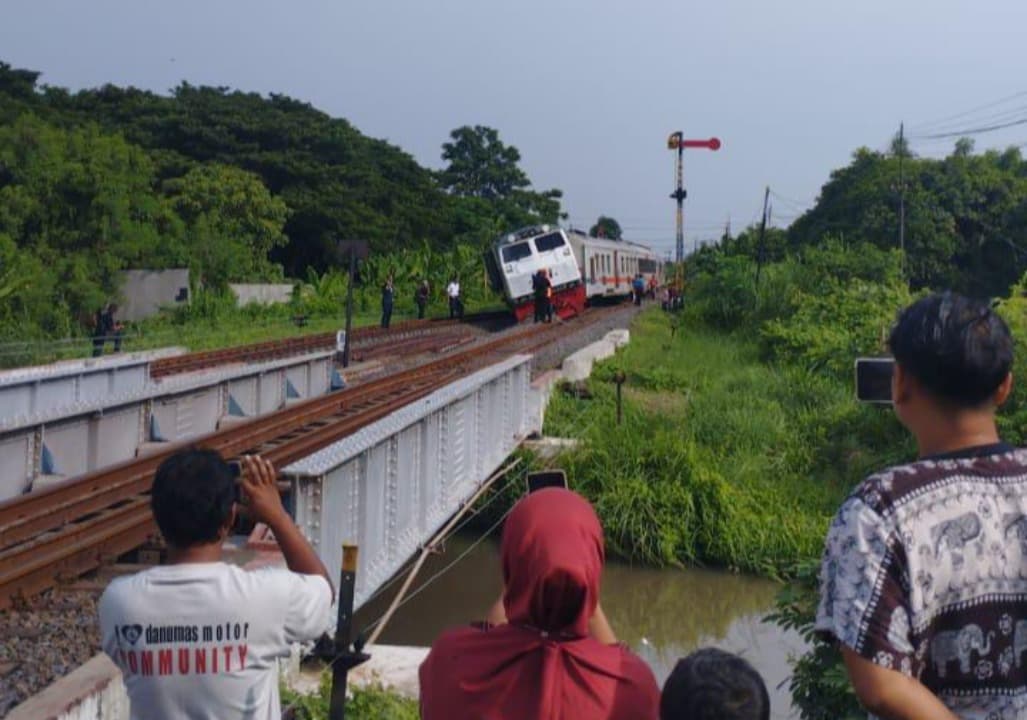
<point x="542" y="665"/>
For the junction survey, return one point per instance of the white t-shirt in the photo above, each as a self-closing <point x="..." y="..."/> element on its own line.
<point x="453" y="289"/>
<point x="200" y="640"/>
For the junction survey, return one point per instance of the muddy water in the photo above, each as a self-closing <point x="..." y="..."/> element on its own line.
<point x="661" y="614"/>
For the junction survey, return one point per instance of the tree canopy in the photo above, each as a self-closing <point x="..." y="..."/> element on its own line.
<point x="236" y="186"/>
<point x="606" y="227"/>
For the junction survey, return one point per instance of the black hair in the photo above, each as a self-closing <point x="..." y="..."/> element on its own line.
<point x="193" y="494"/>
<point x="958" y="348"/>
<point x="711" y="684"/>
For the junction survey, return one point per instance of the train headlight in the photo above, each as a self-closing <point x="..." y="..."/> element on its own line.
<point x="567" y="252"/>
<point x="508" y="268"/>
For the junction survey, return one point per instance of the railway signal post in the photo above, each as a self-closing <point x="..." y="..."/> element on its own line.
<point x="677" y="142"/>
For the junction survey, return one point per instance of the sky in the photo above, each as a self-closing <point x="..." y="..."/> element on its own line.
<point x="587" y="90"/>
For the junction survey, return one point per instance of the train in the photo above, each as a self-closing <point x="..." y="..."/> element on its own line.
<point x="581" y="268"/>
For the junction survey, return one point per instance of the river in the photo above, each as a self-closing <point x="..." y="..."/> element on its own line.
<point x="661" y="614"/>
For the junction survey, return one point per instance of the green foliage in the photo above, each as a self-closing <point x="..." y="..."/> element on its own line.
<point x="365" y="703"/>
<point x="480" y="165"/>
<point x="819" y="685"/>
<point x="965" y="215"/>
<point x="720" y="458"/>
<point x="606" y="227"/>
<point x="233" y="223"/>
<point x="831" y="328"/>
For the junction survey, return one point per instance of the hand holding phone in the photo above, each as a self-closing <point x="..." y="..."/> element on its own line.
<point x="258" y="487"/>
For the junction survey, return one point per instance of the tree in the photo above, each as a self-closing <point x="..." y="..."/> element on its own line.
<point x="606" y="227"/>
<point x="234" y="223"/>
<point x="480" y="165"/>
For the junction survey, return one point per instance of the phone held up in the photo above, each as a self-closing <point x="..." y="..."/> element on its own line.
<point x="235" y="467"/>
<point x="873" y="379"/>
<point x="546" y="478"/>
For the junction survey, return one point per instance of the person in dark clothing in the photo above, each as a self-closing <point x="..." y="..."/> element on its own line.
<point x="388" y="293"/>
<point x="541" y="285"/>
<point x="106" y="328"/>
<point x="638" y="287"/>
<point x="421" y="298"/>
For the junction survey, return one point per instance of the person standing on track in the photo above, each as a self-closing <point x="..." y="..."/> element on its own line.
<point x="421" y="298"/>
<point x="638" y="287"/>
<point x="388" y="295"/>
<point x="198" y="638"/>
<point x="541" y="285"/>
<point x="456" y="305"/>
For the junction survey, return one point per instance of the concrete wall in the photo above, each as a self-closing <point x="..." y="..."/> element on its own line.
<point x="143" y="292"/>
<point x="263" y="294"/>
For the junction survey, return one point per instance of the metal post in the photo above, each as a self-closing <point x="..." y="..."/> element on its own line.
<point x="619" y="377"/>
<point x="343" y="659"/>
<point x="902" y="194"/>
<point x="349" y="305"/>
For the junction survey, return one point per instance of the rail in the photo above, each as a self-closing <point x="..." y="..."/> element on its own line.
<point x="76" y="526"/>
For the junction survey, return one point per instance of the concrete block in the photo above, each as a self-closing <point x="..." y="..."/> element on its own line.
<point x="92" y="692"/>
<point x="619" y="337"/>
<point x="579" y="365"/>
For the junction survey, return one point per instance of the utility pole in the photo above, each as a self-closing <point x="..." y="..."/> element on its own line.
<point x="677" y="142"/>
<point x="760" y="247"/>
<point x="352" y="250"/>
<point x="902" y="193"/>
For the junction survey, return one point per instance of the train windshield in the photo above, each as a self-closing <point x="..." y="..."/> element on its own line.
<point x="549" y="242"/>
<point x="515" y="252"/>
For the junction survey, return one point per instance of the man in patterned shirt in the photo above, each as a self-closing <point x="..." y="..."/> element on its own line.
<point x="924" y="576"/>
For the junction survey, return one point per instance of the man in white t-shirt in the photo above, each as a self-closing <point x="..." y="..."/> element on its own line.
<point x="456" y="307"/>
<point x="198" y="638"/>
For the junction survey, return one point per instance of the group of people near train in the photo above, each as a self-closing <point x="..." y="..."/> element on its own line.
<point x="422" y="296"/>
<point x="923" y="580"/>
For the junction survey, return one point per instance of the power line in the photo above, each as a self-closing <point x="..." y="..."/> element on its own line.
<point x="975" y="131"/>
<point x="942" y="121"/>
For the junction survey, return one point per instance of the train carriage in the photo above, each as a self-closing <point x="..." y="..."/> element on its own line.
<point x="581" y="268"/>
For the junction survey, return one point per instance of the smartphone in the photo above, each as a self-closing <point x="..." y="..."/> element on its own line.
<point x="546" y="478"/>
<point x="235" y="468"/>
<point x="873" y="379"/>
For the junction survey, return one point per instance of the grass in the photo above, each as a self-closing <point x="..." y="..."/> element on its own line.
<point x="225" y="328"/>
<point x="721" y="459"/>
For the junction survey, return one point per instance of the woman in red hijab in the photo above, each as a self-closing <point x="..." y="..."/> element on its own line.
<point x="542" y="664"/>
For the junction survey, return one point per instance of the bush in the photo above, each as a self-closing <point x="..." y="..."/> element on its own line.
<point x="368" y="703"/>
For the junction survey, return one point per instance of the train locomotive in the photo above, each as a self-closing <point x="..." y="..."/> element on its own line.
<point x="581" y="268"/>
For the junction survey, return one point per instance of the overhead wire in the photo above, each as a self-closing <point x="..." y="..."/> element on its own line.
<point x="933" y="124"/>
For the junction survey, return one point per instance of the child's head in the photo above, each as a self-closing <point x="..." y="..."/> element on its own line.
<point x="711" y="684"/>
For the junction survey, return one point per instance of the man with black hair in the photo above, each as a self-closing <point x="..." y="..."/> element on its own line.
<point x="924" y="576"/>
<point x="711" y="684"/>
<point x="198" y="637"/>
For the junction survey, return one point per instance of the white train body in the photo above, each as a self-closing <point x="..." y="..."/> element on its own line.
<point x="580" y="267"/>
<point x="609" y="266"/>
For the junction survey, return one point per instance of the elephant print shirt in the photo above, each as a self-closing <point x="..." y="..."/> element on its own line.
<point x="925" y="572"/>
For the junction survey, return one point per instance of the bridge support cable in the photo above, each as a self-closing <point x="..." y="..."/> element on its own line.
<point x="379" y="625"/>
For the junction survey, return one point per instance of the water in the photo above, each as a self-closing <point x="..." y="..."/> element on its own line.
<point x="661" y="614"/>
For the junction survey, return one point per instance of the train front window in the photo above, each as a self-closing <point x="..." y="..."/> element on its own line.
<point x="549" y="242"/>
<point x="515" y="252"/>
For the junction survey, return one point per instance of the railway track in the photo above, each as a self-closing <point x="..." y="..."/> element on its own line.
<point x="364" y="341"/>
<point x="57" y="534"/>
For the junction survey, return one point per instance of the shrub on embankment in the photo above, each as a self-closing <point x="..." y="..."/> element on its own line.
<point x="720" y="459"/>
